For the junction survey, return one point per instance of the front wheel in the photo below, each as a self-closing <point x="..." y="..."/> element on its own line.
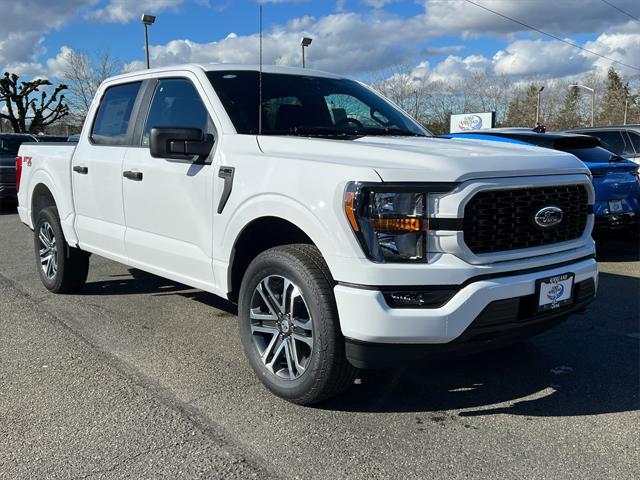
<point x="289" y="325"/>
<point x="62" y="269"/>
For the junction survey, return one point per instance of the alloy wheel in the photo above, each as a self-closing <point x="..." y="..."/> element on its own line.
<point x="281" y="327"/>
<point x="48" y="251"/>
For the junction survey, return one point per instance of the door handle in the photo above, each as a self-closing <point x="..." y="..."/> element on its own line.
<point x="137" y="176"/>
<point x="81" y="170"/>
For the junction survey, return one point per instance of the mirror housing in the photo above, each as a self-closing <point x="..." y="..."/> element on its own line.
<point x="180" y="143"/>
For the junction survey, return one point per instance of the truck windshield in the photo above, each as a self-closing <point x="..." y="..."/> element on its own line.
<point x="308" y="106"/>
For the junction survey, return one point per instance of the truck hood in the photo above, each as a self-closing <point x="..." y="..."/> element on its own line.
<point x="431" y="159"/>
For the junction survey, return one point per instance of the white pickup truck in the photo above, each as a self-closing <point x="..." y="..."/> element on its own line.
<point x="347" y="234"/>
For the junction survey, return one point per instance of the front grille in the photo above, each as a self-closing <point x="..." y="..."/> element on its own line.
<point x="501" y="220"/>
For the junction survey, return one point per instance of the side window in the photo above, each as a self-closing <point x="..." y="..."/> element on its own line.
<point x="611" y="140"/>
<point x="114" y="114"/>
<point x="635" y="140"/>
<point x="176" y="103"/>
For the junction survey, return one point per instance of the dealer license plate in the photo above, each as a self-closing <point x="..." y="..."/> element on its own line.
<point x="555" y="292"/>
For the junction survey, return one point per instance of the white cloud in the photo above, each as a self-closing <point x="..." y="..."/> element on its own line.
<point x="564" y="17"/>
<point x="377" y="3"/>
<point x="342" y="43"/>
<point x="540" y="57"/>
<point x="124" y="11"/>
<point x="23" y="25"/>
<point x="621" y="46"/>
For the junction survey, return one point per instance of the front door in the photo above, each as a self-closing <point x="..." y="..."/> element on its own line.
<point x="97" y="173"/>
<point x="169" y="204"/>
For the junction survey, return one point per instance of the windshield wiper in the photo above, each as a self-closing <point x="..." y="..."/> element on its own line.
<point x="314" y="131"/>
<point x="392" y="132"/>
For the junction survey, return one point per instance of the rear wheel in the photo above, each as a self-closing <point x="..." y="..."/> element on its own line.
<point x="62" y="269"/>
<point x="289" y="325"/>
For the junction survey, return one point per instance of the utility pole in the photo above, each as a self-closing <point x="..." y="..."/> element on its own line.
<point x="538" y="105"/>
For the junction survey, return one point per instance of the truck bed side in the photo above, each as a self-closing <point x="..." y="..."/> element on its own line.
<point x="46" y="176"/>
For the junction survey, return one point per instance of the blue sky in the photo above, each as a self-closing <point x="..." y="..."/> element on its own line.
<point x="445" y="39"/>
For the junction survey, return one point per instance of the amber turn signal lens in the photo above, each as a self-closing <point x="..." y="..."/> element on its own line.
<point x="397" y="224"/>
<point x="350" y="209"/>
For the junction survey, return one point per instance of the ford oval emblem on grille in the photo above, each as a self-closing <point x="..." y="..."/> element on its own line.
<point x="548" y="217"/>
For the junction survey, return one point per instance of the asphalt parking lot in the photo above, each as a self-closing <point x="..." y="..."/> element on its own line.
<point x="138" y="377"/>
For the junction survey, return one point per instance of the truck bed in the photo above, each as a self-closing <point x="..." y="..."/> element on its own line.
<point x="48" y="163"/>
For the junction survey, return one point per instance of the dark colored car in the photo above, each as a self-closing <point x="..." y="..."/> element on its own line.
<point x="623" y="140"/>
<point x="615" y="179"/>
<point x="9" y="145"/>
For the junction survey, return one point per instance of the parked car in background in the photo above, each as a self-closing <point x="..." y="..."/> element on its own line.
<point x="74" y="138"/>
<point x="9" y="145"/>
<point x="615" y="178"/>
<point x="623" y="140"/>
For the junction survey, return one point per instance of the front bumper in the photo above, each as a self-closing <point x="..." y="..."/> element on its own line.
<point x="616" y="221"/>
<point x="366" y="317"/>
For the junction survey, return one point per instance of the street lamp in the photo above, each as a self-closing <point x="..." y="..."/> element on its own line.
<point x="593" y="99"/>
<point x="305" y="42"/>
<point x="147" y="20"/>
<point x="538" y="106"/>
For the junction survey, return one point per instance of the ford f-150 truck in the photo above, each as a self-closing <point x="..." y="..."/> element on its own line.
<point x="348" y="235"/>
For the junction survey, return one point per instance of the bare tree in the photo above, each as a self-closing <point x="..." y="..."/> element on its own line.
<point x="84" y="75"/>
<point x="24" y="110"/>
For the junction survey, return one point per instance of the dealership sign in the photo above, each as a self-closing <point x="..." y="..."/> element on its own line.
<point x="472" y="121"/>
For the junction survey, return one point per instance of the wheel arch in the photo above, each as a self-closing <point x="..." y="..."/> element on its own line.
<point x="257" y="236"/>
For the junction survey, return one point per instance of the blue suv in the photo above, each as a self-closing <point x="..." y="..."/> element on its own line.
<point x="615" y="179"/>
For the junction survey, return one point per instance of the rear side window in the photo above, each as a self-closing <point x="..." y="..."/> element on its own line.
<point x="176" y="103"/>
<point x="635" y="140"/>
<point x="611" y="140"/>
<point x="592" y="155"/>
<point x="111" y="126"/>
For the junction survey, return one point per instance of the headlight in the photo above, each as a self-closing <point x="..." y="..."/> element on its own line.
<point x="390" y="223"/>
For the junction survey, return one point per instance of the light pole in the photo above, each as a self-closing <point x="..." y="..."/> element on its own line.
<point x="304" y="43"/>
<point x="538" y="106"/>
<point x="593" y="99"/>
<point x="147" y="20"/>
<point x="626" y="105"/>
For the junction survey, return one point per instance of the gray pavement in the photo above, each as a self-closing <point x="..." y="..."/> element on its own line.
<point x="139" y="377"/>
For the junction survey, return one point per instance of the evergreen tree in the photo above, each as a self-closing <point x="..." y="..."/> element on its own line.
<point x="522" y="108"/>
<point x="569" y="114"/>
<point x="612" y="111"/>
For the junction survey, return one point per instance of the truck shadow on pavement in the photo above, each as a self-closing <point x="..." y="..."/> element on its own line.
<point x="618" y="247"/>
<point x="139" y="282"/>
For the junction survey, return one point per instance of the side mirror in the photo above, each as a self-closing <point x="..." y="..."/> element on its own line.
<point x="180" y="143"/>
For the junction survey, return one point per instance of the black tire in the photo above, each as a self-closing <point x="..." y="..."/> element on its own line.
<point x="327" y="372"/>
<point x="71" y="264"/>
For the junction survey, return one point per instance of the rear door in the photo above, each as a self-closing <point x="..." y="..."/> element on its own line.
<point x="169" y="204"/>
<point x="97" y="172"/>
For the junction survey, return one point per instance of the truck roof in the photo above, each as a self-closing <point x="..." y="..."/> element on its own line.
<point x="208" y="67"/>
